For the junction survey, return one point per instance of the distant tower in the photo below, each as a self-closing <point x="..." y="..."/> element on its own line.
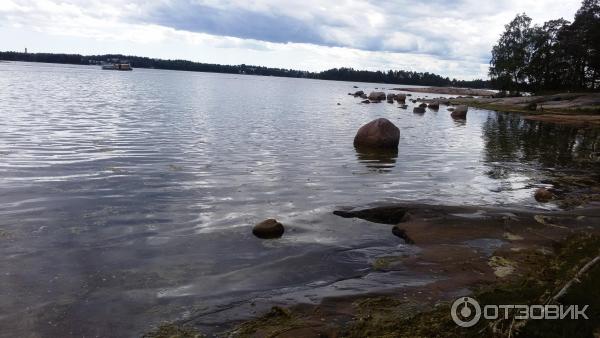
<point x="25" y="50"/>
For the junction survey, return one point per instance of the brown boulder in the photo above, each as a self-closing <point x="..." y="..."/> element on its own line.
<point x="460" y="112"/>
<point x="269" y="228"/>
<point x="400" y="97"/>
<point x="543" y="195"/>
<point x="377" y="96"/>
<point x="434" y="105"/>
<point x="379" y="133"/>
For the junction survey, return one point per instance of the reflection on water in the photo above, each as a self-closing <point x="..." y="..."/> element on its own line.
<point x="377" y="159"/>
<point x="511" y="139"/>
<point x="128" y="198"/>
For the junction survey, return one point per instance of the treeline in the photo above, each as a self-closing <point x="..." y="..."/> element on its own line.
<point x="338" y="74"/>
<point x="559" y="55"/>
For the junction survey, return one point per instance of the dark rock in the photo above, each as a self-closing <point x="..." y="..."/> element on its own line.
<point x="379" y="133"/>
<point x="419" y="110"/>
<point x="377" y="96"/>
<point x="359" y="93"/>
<point x="401" y="98"/>
<point x="391" y="96"/>
<point x="269" y="228"/>
<point x="403" y="106"/>
<point x="339" y="104"/>
<point x="399" y="232"/>
<point x="450" y="108"/>
<point x="423" y="105"/>
<point x="355" y="86"/>
<point x="384" y="215"/>
<point x="543" y="195"/>
<point x="434" y="105"/>
<point x="365" y="101"/>
<point x="363" y="96"/>
<point x="460" y="112"/>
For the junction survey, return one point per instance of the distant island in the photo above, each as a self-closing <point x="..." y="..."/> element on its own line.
<point x="336" y="74"/>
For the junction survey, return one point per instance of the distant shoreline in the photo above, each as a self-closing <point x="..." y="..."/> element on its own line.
<point x="390" y="77"/>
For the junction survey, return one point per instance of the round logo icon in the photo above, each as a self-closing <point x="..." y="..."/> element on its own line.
<point x="465" y="312"/>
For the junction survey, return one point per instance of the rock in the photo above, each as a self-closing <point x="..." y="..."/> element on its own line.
<point x="450" y="108"/>
<point x="339" y="104"/>
<point x="419" y="110"/>
<point x="397" y="231"/>
<point x="460" y="112"/>
<point x="543" y="195"/>
<point x="355" y="86"/>
<point x="359" y="93"/>
<point x="390" y="101"/>
<point x="400" y="97"/>
<point x="434" y="105"/>
<point x="391" y="96"/>
<point x="363" y="96"/>
<point x="269" y="228"/>
<point x="408" y="94"/>
<point x="379" y="133"/>
<point x="413" y="101"/>
<point x="403" y="106"/>
<point x="423" y="105"/>
<point x="377" y="96"/>
<point x="365" y="101"/>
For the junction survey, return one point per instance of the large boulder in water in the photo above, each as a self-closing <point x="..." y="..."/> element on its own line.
<point x="460" y="112"/>
<point x="269" y="228"/>
<point x="543" y="195"/>
<point x="376" y="96"/>
<point x="377" y="134"/>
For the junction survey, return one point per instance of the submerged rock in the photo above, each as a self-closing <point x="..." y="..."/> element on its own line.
<point x="377" y="96"/>
<point x="365" y="101"/>
<point x="460" y="112"/>
<point x="403" y="106"/>
<point x="399" y="232"/>
<point x="543" y="195"/>
<point x="269" y="228"/>
<point x="379" y="133"/>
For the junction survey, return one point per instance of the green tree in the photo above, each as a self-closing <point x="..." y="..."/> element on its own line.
<point x="511" y="56"/>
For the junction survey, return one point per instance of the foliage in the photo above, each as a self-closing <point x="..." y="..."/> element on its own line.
<point x="558" y="55"/>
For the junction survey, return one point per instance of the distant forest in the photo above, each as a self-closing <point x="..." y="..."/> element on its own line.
<point x="337" y="74"/>
<point x="557" y="56"/>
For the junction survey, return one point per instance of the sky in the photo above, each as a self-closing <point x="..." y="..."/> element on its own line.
<point x="448" y="37"/>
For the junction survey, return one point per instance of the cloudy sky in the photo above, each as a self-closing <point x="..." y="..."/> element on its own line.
<point x="449" y="37"/>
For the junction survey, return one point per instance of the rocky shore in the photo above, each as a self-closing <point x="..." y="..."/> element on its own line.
<point x="449" y="91"/>
<point x="493" y="254"/>
<point x="569" y="108"/>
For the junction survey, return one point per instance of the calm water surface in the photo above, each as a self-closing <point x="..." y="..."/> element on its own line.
<point x="127" y="198"/>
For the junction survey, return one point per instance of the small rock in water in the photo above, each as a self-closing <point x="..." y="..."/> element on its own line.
<point x="403" y="106"/>
<point x="339" y="104"/>
<point x="377" y="96"/>
<point x="269" y="228"/>
<point x="434" y="105"/>
<point x="543" y="195"/>
<point x="460" y="112"/>
<point x="423" y="105"/>
<point x="419" y="110"/>
<point x="365" y="101"/>
<point x="399" y="232"/>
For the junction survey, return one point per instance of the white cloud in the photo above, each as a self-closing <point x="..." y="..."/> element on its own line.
<point x="452" y="38"/>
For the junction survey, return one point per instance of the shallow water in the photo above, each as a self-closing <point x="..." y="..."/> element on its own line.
<point x="127" y="198"/>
